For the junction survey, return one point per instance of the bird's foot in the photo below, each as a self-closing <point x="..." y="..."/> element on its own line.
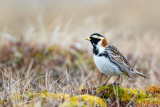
<point x="115" y="83"/>
<point x="101" y="85"/>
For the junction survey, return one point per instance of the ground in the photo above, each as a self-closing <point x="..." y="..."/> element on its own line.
<point x="40" y="82"/>
<point x="45" y="58"/>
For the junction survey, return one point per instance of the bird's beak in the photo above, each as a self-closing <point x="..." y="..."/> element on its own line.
<point x="88" y="39"/>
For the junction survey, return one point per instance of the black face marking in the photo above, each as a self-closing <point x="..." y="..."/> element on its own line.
<point x="97" y="34"/>
<point x="95" y="38"/>
<point x="94" y="41"/>
<point x="95" y="51"/>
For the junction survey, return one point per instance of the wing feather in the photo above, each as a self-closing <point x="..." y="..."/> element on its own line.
<point x="118" y="58"/>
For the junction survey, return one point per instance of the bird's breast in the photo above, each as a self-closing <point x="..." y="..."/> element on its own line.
<point x="106" y="66"/>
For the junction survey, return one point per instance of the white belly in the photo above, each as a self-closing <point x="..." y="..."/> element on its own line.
<point x="106" y="67"/>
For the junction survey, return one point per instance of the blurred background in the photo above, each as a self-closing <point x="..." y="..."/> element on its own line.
<point x="132" y="26"/>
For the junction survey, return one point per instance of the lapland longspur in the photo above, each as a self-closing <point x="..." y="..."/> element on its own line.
<point x="109" y="60"/>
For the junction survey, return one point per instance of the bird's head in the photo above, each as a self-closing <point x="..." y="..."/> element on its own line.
<point x="97" y="40"/>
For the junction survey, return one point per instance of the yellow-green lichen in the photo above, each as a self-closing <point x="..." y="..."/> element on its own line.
<point x="65" y="99"/>
<point x="153" y="89"/>
<point x="125" y="95"/>
<point x="89" y="100"/>
<point x="72" y="104"/>
<point x="107" y="93"/>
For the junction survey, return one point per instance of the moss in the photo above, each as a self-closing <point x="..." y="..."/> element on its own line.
<point x="153" y="89"/>
<point x="65" y="99"/>
<point x="89" y="100"/>
<point x="149" y="101"/>
<point x="72" y="104"/>
<point x="81" y="100"/>
<point x="107" y="92"/>
<point x="44" y="53"/>
<point x="125" y="95"/>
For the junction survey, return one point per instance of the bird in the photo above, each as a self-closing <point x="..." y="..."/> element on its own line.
<point x="109" y="60"/>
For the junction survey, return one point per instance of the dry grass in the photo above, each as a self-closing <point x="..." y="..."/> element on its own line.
<point x="27" y="29"/>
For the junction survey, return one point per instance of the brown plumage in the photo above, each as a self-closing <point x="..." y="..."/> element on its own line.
<point x="104" y="43"/>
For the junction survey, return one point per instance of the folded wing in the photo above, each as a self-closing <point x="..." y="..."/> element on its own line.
<point x="119" y="59"/>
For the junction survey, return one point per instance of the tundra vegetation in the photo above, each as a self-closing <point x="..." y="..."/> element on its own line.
<point x="46" y="61"/>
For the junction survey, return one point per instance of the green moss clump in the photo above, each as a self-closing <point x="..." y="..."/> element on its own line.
<point x="63" y="99"/>
<point x="89" y="100"/>
<point x="110" y="93"/>
<point x="72" y="104"/>
<point x="124" y="95"/>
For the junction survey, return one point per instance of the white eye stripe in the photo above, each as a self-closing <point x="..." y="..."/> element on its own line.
<point x="95" y="36"/>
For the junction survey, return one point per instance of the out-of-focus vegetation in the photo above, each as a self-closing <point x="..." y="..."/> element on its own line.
<point x="46" y="61"/>
<point x="34" y="75"/>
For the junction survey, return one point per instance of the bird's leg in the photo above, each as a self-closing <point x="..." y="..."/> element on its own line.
<point x="105" y="82"/>
<point x="115" y="82"/>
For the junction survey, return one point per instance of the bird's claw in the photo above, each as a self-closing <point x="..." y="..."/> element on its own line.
<point x="115" y="84"/>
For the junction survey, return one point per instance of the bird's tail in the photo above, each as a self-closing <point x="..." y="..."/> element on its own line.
<point x="140" y="74"/>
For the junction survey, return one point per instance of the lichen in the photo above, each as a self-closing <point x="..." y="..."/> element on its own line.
<point x="124" y="95"/>
<point x="153" y="89"/>
<point x="89" y="100"/>
<point x="63" y="99"/>
<point x="103" y="96"/>
<point x="72" y="104"/>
